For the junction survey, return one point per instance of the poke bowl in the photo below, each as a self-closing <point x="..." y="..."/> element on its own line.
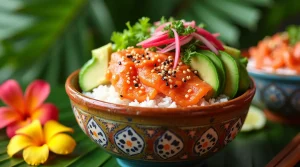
<point x="149" y="108"/>
<point x="277" y="77"/>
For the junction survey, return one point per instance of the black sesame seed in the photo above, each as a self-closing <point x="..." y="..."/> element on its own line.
<point x="184" y="80"/>
<point x="121" y="95"/>
<point x="148" y="58"/>
<point x="155" y="65"/>
<point x="120" y="63"/>
<point x="138" y="61"/>
<point x="147" y="53"/>
<point x="175" y="86"/>
<point x="167" y="83"/>
<point x="143" y="55"/>
<point x="129" y="56"/>
<point x="136" y="85"/>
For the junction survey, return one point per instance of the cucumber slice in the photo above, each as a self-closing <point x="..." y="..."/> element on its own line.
<point x="232" y="51"/>
<point x="93" y="72"/>
<point x="232" y="74"/>
<point x="219" y="65"/>
<point x="207" y="72"/>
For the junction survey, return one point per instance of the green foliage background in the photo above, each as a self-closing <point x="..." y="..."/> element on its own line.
<point x="49" y="39"/>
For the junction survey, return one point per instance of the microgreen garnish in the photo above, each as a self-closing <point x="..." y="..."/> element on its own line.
<point x="179" y="28"/>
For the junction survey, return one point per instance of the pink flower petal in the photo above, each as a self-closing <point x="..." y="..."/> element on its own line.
<point x="12" y="128"/>
<point x="36" y="93"/>
<point x="11" y="94"/>
<point x="8" y="116"/>
<point x="45" y="113"/>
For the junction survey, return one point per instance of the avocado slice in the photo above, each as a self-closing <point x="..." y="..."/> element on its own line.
<point x="207" y="72"/>
<point x="232" y="51"/>
<point x="219" y="65"/>
<point x="232" y="74"/>
<point x="244" y="81"/>
<point x="93" y="72"/>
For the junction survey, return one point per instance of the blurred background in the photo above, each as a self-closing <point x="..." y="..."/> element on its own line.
<point x="49" y="39"/>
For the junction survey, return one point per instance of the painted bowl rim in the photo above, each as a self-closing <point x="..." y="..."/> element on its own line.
<point x="273" y="76"/>
<point x="214" y="109"/>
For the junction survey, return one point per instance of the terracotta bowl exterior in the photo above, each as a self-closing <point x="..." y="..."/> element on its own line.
<point x="279" y="94"/>
<point x="158" y="135"/>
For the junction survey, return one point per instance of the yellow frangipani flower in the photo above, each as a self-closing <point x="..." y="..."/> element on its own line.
<point x="37" y="141"/>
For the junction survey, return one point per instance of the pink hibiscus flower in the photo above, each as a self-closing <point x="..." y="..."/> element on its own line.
<point x="23" y="109"/>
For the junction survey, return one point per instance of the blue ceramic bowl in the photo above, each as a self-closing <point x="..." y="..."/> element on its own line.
<point x="279" y="94"/>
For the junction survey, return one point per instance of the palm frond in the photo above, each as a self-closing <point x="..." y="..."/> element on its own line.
<point x="49" y="39"/>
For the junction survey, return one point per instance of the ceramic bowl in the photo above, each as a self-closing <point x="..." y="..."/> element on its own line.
<point x="158" y="136"/>
<point x="278" y="94"/>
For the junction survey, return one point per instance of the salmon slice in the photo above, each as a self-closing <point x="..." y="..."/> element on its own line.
<point x="154" y="72"/>
<point x="123" y="76"/>
<point x="183" y="86"/>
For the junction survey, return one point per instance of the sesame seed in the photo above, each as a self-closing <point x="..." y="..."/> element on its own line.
<point x="121" y="95"/>
<point x="130" y="88"/>
<point x="167" y="84"/>
<point x="180" y="63"/>
<point x="190" y="90"/>
<point x="152" y="71"/>
<point x="130" y="68"/>
<point x="144" y="61"/>
<point x="156" y="56"/>
<point x="133" y="77"/>
<point x="183" y="80"/>
<point x="128" y="78"/>
<point x="169" y="57"/>
<point x="186" y="96"/>
<point x="135" y="84"/>
<point x="188" y="70"/>
<point x="127" y="73"/>
<point x="152" y="59"/>
<point x="134" y="81"/>
<point x="197" y="84"/>
<point x="113" y="77"/>
<point x="142" y="87"/>
<point x="195" y="72"/>
<point x="171" y="86"/>
<point x="120" y="63"/>
<point x="170" y="80"/>
<point x="128" y="81"/>
<point x="158" y="60"/>
<point x="175" y="86"/>
<point x="140" y="92"/>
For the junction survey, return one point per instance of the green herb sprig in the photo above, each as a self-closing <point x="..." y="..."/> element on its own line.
<point x="180" y="29"/>
<point x="132" y="35"/>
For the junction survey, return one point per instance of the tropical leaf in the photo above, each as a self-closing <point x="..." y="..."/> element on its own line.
<point x="248" y="149"/>
<point x="49" y="39"/>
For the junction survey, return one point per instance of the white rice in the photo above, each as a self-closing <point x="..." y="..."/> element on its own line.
<point x="281" y="71"/>
<point x="107" y="93"/>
